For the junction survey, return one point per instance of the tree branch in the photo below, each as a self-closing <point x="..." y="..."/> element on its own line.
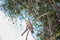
<point x="33" y="36"/>
<point x="24" y="32"/>
<point x="27" y="35"/>
<point x="40" y="17"/>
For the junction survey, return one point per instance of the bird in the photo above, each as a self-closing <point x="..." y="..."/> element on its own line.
<point x="28" y="27"/>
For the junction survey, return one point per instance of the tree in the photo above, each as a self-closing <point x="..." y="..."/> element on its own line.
<point x="36" y="8"/>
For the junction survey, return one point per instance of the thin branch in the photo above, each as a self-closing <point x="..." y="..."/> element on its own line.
<point x="40" y="17"/>
<point x="33" y="36"/>
<point x="24" y="32"/>
<point x="27" y="35"/>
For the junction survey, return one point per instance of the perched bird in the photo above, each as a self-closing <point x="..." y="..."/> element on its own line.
<point x="28" y="27"/>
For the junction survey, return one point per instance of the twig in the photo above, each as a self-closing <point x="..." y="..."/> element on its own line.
<point x="40" y="17"/>
<point x="24" y="32"/>
<point x="33" y="36"/>
<point x="27" y="35"/>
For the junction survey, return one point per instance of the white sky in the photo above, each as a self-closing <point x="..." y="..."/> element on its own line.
<point x="9" y="33"/>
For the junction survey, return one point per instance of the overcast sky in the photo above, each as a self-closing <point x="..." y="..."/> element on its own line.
<point x="7" y="32"/>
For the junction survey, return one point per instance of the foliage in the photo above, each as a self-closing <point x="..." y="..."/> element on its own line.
<point x="37" y="8"/>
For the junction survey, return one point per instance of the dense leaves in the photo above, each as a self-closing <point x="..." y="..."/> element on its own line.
<point x="37" y="8"/>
